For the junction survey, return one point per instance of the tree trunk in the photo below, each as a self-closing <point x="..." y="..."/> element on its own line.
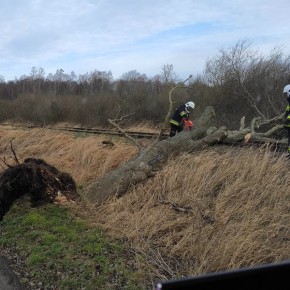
<point x="150" y="160"/>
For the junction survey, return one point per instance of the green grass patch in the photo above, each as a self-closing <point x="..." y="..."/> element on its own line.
<point x="62" y="251"/>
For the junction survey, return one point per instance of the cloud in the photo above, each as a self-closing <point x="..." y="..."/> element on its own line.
<point x="84" y="35"/>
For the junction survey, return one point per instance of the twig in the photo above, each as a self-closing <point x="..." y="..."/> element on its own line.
<point x="4" y="161"/>
<point x="14" y="154"/>
<point x="177" y="208"/>
<point x="123" y="117"/>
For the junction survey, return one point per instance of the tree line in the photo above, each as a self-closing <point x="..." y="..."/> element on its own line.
<point x="237" y="82"/>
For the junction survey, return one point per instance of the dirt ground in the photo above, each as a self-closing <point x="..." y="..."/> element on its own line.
<point x="8" y="279"/>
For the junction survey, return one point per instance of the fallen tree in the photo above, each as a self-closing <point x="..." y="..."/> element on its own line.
<point x="44" y="183"/>
<point x="151" y="159"/>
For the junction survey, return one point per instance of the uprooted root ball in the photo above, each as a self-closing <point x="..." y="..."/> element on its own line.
<point x="43" y="182"/>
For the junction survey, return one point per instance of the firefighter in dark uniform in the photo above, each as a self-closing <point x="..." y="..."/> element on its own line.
<point x="286" y="93"/>
<point x="181" y="113"/>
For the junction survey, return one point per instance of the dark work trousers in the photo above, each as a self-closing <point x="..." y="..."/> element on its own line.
<point x="174" y="129"/>
<point x="288" y="130"/>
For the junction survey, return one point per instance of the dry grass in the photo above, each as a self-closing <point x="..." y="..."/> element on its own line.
<point x="236" y="202"/>
<point x="146" y="127"/>
<point x="238" y="215"/>
<point x="84" y="157"/>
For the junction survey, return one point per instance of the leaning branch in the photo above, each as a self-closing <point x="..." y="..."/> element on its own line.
<point x="170" y="109"/>
<point x="125" y="134"/>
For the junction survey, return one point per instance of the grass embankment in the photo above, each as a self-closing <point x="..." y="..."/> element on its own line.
<point x="213" y="210"/>
<point x="53" y="249"/>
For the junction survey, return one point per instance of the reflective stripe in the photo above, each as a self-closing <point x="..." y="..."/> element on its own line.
<point x="174" y="122"/>
<point x="182" y="114"/>
<point x="288" y="117"/>
<point x="288" y="108"/>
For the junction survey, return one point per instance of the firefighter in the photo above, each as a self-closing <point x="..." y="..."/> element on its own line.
<point x="286" y="93"/>
<point x="181" y="114"/>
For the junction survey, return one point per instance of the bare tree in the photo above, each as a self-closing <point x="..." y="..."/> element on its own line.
<point x="246" y="75"/>
<point x="37" y="76"/>
<point x="167" y="73"/>
<point x="99" y="80"/>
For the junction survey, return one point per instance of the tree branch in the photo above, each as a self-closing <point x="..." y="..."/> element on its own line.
<point x="170" y="109"/>
<point x="125" y="134"/>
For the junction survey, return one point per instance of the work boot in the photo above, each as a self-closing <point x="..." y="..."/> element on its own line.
<point x="288" y="156"/>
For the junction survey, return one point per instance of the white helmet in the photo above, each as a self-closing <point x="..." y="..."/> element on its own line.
<point x="189" y="106"/>
<point x="286" y="91"/>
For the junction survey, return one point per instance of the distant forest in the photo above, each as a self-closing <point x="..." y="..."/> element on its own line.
<point x="237" y="82"/>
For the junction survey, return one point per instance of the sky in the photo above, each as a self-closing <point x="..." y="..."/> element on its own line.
<point x="133" y="35"/>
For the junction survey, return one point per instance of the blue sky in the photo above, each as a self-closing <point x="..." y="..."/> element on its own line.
<point x="122" y="35"/>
